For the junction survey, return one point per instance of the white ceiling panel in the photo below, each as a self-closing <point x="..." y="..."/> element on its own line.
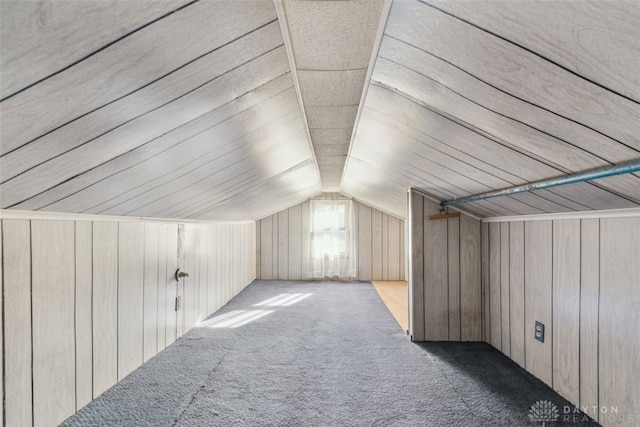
<point x="30" y="56"/>
<point x="331" y="117"/>
<point x="191" y="109"/>
<point x="571" y="34"/>
<point x="463" y="100"/>
<point x="333" y="35"/>
<point x="322" y="136"/>
<point x="177" y="119"/>
<point x="331" y="88"/>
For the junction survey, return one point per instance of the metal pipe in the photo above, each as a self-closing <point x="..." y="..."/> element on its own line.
<point x="597" y="173"/>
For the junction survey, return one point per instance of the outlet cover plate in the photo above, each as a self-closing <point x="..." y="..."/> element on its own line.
<point x="539" y="332"/>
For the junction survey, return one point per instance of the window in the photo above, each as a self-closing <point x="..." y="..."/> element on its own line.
<point x="332" y="252"/>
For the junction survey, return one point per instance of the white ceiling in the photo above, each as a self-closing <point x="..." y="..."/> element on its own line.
<point x="232" y="110"/>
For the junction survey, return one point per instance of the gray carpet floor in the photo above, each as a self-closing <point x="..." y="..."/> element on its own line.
<point x="333" y="356"/>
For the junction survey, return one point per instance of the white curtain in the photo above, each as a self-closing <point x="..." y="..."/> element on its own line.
<point x="332" y="251"/>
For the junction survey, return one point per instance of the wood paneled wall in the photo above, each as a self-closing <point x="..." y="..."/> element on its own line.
<point x="283" y="239"/>
<point x="445" y="294"/>
<point x="85" y="303"/>
<point x="580" y="277"/>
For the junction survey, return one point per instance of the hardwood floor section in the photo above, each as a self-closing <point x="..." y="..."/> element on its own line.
<point x="394" y="296"/>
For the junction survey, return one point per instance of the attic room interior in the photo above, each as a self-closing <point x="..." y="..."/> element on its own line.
<point x="320" y="212"/>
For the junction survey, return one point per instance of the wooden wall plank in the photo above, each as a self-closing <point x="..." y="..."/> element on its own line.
<point x="105" y="306"/>
<point x="53" y="317"/>
<point x="385" y="247"/>
<point x="364" y="243"/>
<point x="275" y="246"/>
<point x="1" y="328"/>
<point x="295" y="242"/>
<point x="163" y="232"/>
<point x="305" y="212"/>
<point x="566" y="308"/>
<point x="17" y="322"/>
<point x="486" y="307"/>
<point x="376" y="245"/>
<point x="130" y="297"/>
<point x="151" y="279"/>
<point x="171" y="284"/>
<point x="180" y="285"/>
<point x="538" y="296"/>
<point x="453" y="259"/>
<point x="619" y="329"/>
<point x="258" y="249"/>
<point x="504" y="289"/>
<point x="215" y="259"/>
<point x="415" y="205"/>
<point x="266" y="242"/>
<point x="516" y="286"/>
<point x="470" y="279"/>
<point x="84" y="289"/>
<point x="495" y="295"/>
<point x="186" y="316"/>
<point x="393" y="250"/>
<point x="436" y="298"/>
<point x="589" y="289"/>
<point x="403" y="250"/>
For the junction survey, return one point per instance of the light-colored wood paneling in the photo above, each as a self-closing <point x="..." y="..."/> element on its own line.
<point x="283" y="244"/>
<point x="203" y="293"/>
<point x="105" y="306"/>
<point x="538" y="297"/>
<point x="415" y="206"/>
<point x="453" y="259"/>
<point x="304" y="241"/>
<point x="186" y="315"/>
<point x="516" y="289"/>
<point x="436" y="289"/>
<point x="1" y="327"/>
<point x="171" y="284"/>
<point x="275" y="247"/>
<point x="495" y="295"/>
<point x="266" y="239"/>
<point x="130" y="297"/>
<point x="470" y="280"/>
<point x="83" y="314"/>
<point x="163" y="277"/>
<point x="566" y="308"/>
<point x="16" y="248"/>
<point x="53" y="321"/>
<point x="151" y="279"/>
<point x="365" y="236"/>
<point x="486" y="308"/>
<point x="589" y="290"/>
<point x="377" y="258"/>
<point x="393" y="253"/>
<point x="295" y="242"/>
<point x="83" y="304"/>
<point x="619" y="328"/>
<point x="505" y="293"/>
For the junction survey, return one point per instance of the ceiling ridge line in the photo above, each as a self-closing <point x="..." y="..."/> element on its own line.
<point x="288" y="47"/>
<point x="332" y="70"/>
<point x="382" y="25"/>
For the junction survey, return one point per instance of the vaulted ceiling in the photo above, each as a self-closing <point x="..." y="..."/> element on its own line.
<point x="232" y="110"/>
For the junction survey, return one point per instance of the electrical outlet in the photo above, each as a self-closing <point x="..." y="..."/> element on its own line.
<point x="539" y="334"/>
<point x="178" y="302"/>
